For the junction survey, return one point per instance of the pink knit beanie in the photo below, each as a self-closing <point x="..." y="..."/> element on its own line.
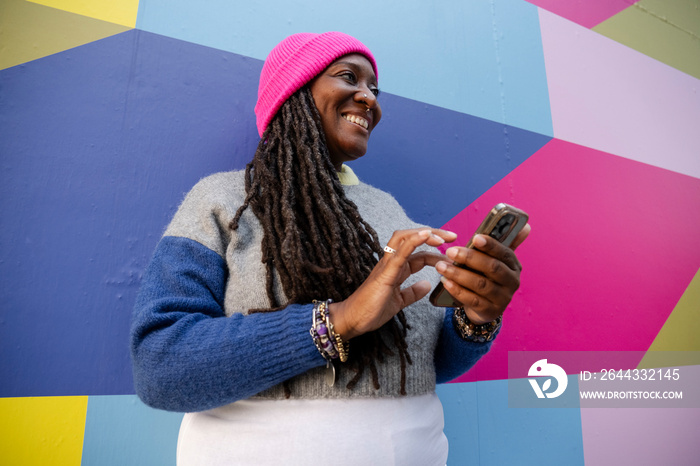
<point x="294" y="62"/>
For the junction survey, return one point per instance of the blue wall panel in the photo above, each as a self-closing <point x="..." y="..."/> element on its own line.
<point x="99" y="145"/>
<point x="485" y="58"/>
<point x="437" y="161"/>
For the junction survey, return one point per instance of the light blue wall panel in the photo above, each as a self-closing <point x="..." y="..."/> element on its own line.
<point x="460" y="404"/>
<point x="476" y="57"/>
<point x="483" y="430"/>
<point x="120" y="430"/>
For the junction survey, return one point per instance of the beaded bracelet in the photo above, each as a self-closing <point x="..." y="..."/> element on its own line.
<point x="319" y="332"/>
<point x="472" y="332"/>
<point x="328" y="343"/>
<point x="339" y="345"/>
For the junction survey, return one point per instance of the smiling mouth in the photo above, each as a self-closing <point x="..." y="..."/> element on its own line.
<point x="357" y="120"/>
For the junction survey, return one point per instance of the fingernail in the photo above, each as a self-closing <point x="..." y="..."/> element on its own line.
<point x="441" y="266"/>
<point x="479" y="241"/>
<point x="451" y="253"/>
<point x="424" y="233"/>
<point x="437" y="238"/>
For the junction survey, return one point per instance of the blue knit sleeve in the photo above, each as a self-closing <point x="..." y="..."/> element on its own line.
<point x="188" y="356"/>
<point x="454" y="356"/>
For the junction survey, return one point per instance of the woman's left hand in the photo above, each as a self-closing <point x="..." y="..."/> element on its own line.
<point x="486" y="290"/>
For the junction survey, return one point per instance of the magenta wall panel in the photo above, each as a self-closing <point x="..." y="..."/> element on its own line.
<point x="587" y="13"/>
<point x="604" y="266"/>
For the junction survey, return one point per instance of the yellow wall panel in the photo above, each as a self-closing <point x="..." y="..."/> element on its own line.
<point x="31" y="31"/>
<point x="39" y="431"/>
<point x="668" y="31"/>
<point x="114" y="11"/>
<point x="681" y="330"/>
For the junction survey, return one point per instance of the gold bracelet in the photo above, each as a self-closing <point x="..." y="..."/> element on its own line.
<point x="342" y="346"/>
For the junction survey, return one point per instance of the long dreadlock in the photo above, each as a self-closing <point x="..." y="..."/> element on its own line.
<point x="313" y="235"/>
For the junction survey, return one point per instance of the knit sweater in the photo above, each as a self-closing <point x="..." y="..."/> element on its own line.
<point x="195" y="346"/>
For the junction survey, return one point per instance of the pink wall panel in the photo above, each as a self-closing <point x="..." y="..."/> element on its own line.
<point x="641" y="436"/>
<point x="612" y="98"/>
<point x="614" y="244"/>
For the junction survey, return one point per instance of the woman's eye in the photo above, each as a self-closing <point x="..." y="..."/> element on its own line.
<point x="375" y="91"/>
<point x="349" y="76"/>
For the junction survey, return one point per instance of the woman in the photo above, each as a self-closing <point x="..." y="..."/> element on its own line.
<point x="273" y="316"/>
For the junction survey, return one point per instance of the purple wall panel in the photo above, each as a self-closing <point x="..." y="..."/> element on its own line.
<point x="99" y="145"/>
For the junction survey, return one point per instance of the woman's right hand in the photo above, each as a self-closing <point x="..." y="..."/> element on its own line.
<point x="380" y="297"/>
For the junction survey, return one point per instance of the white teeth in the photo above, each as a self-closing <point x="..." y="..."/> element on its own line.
<point x="357" y="120"/>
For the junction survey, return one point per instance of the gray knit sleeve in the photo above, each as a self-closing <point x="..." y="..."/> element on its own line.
<point x="207" y="209"/>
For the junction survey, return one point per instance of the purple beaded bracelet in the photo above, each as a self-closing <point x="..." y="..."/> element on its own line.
<point x="328" y="343"/>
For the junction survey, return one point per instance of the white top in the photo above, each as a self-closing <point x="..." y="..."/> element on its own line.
<point x="402" y="431"/>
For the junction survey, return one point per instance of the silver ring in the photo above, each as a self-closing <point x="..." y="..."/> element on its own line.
<point x="364" y="95"/>
<point x="389" y="250"/>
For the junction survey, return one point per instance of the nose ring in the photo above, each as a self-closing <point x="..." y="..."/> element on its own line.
<point x="365" y="96"/>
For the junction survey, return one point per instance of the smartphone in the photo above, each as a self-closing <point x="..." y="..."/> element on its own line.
<point x="503" y="223"/>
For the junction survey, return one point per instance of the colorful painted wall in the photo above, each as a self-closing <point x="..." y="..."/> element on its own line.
<point x="584" y="114"/>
